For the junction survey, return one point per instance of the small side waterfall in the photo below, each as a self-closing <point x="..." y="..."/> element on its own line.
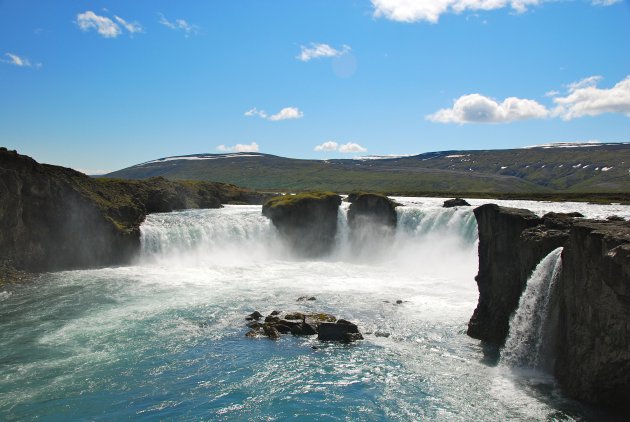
<point x="528" y="325"/>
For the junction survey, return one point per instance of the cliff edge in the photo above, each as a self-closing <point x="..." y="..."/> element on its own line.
<point x="55" y="218"/>
<point x="590" y="304"/>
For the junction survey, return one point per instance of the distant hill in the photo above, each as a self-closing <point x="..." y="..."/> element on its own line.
<point x="570" y="168"/>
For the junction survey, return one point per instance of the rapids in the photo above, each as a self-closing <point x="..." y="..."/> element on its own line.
<point x="164" y="338"/>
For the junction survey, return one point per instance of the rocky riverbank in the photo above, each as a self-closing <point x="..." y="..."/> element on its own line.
<point x="590" y="306"/>
<point x="55" y="218"/>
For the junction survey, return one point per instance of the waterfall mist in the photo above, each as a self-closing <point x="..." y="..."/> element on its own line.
<point x="431" y="240"/>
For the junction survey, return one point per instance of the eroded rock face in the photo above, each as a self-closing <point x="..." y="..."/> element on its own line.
<point x="590" y="303"/>
<point x="373" y="209"/>
<point x="307" y="222"/>
<point x="55" y="218"/>
<point x="593" y="302"/>
<point x="372" y="219"/>
<point x="47" y="223"/>
<point x="511" y="243"/>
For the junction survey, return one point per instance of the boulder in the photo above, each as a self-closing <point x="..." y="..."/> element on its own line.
<point x="254" y="316"/>
<point x="306" y="222"/>
<point x="345" y="332"/>
<point x="371" y="209"/>
<point x="271" y="331"/>
<point x="457" y="202"/>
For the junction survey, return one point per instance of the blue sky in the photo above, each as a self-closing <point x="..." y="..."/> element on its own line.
<point x="101" y="85"/>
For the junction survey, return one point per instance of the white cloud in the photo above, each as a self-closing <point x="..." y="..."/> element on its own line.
<point x="586" y="99"/>
<point x="132" y="27"/>
<point x="552" y="93"/>
<point x="16" y="60"/>
<point x="343" y="148"/>
<point x="102" y="24"/>
<point x="286" y="114"/>
<point x="315" y="51"/>
<point x="327" y="146"/>
<point x="351" y="147"/>
<point x="255" y="112"/>
<point x="476" y="108"/>
<point x="179" y="25"/>
<point x="431" y="10"/>
<point x="253" y="147"/>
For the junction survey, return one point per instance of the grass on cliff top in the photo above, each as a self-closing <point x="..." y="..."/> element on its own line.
<point x="287" y="200"/>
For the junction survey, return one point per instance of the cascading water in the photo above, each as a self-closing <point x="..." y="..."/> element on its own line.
<point x="529" y="323"/>
<point x="164" y="338"/>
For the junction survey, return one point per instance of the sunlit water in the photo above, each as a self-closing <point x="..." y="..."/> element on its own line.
<point x="164" y="338"/>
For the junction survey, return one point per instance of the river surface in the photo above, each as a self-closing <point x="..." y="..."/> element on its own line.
<point x="164" y="338"/>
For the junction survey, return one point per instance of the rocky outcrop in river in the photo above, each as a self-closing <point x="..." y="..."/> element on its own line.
<point x="307" y="222"/>
<point x="591" y="300"/>
<point x="55" y="218"/>
<point x="373" y="211"/>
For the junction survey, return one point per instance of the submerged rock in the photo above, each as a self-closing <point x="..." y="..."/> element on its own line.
<point x="307" y="222"/>
<point x="303" y="298"/>
<point x="345" y="332"/>
<point x="456" y="202"/>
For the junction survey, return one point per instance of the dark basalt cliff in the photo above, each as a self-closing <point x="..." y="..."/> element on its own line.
<point x="511" y="243"/>
<point x="590" y="306"/>
<point x="593" y="333"/>
<point x="55" y="218"/>
<point x="307" y="222"/>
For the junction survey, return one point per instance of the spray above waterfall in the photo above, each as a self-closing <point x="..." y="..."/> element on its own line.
<point x="529" y="325"/>
<point x="423" y="239"/>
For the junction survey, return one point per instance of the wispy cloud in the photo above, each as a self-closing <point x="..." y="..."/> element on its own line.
<point x="347" y="148"/>
<point x="18" y="61"/>
<point x="477" y="108"/>
<point x="255" y="112"/>
<point x="105" y="26"/>
<point x="316" y="51"/>
<point x="179" y="25"/>
<point x="586" y="99"/>
<point x="286" y="113"/>
<point x="253" y="147"/>
<point x="132" y="27"/>
<point x="431" y="10"/>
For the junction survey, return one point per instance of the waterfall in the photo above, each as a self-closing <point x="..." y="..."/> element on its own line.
<point x="526" y="340"/>
<point x="425" y="238"/>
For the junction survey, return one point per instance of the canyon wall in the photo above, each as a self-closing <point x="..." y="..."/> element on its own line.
<point x="590" y="304"/>
<point x="55" y="218"/>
